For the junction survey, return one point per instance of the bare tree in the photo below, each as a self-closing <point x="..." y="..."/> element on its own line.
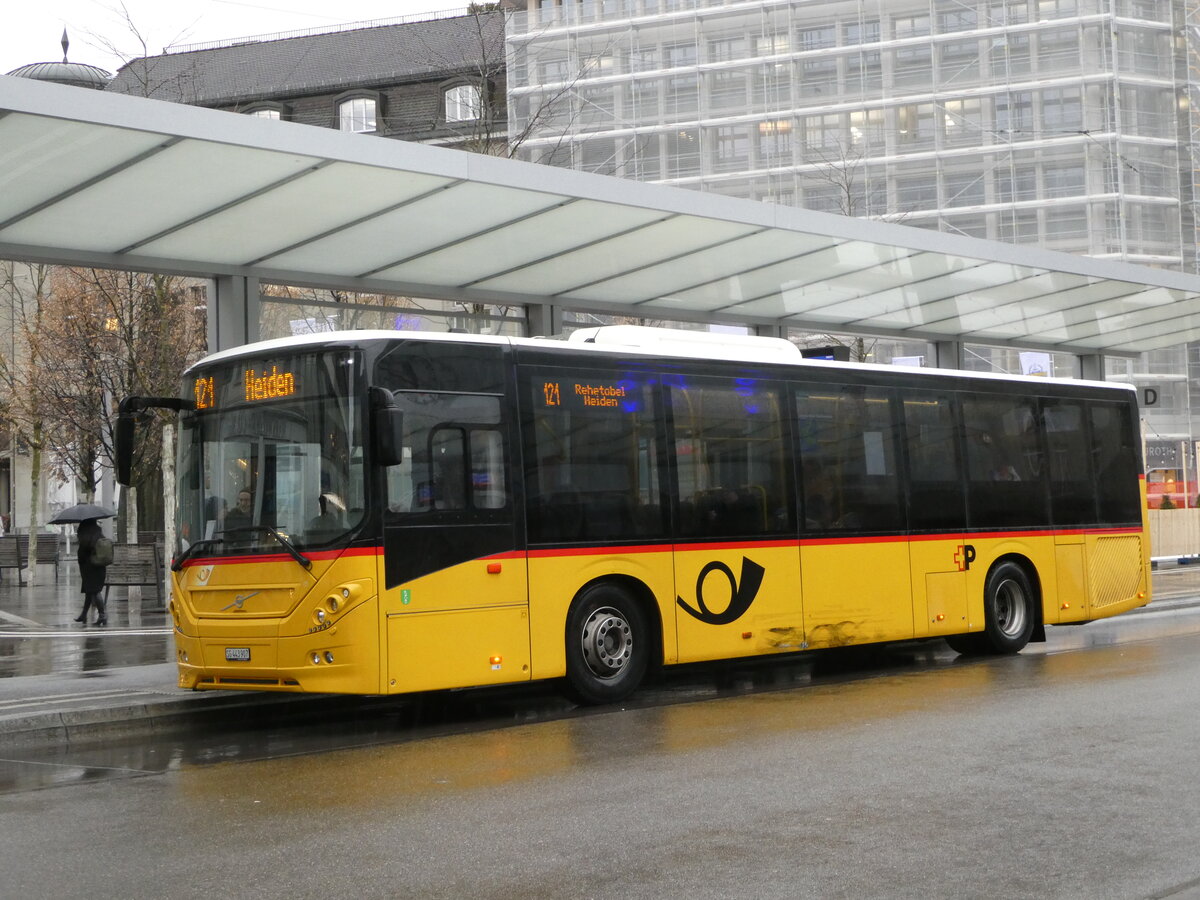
<point x="105" y="335"/>
<point x="146" y="70"/>
<point x="26" y="289"/>
<point x="842" y="169"/>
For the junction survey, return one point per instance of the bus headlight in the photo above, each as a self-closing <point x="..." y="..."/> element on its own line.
<point x="319" y="615"/>
<point x="333" y="604"/>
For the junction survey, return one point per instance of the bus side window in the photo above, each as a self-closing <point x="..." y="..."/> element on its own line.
<point x="1005" y="474"/>
<point x="592" y="458"/>
<point x="730" y="458"/>
<point x="936" y="499"/>
<point x="848" y="459"/>
<point x="1115" y="457"/>
<point x="1069" y="464"/>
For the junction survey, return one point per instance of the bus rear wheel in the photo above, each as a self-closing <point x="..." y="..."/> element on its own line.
<point x="1009" y="614"/>
<point x="1008" y="607"/>
<point x="608" y="645"/>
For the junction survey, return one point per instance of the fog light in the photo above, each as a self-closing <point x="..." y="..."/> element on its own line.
<point x="328" y="657"/>
<point x="316" y="658"/>
<point x="183" y="655"/>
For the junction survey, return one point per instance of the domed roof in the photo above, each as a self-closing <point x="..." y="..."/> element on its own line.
<point x="74" y="74"/>
<point x="77" y="74"/>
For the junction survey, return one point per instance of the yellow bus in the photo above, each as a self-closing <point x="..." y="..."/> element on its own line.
<point x="386" y="512"/>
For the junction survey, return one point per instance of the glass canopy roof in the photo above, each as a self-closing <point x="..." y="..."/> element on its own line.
<point x="89" y="178"/>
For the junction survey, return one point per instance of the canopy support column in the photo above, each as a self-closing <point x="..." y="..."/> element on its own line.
<point x="1091" y="366"/>
<point x="544" y="319"/>
<point x="948" y="354"/>
<point x="233" y="312"/>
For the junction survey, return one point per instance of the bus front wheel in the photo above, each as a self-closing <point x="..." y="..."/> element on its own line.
<point x="608" y="645"/>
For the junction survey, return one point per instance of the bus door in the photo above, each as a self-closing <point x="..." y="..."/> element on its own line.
<point x="939" y="553"/>
<point x="854" y="552"/>
<point x="737" y="579"/>
<point x="456" y="599"/>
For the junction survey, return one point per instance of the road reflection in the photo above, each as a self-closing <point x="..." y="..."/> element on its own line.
<point x="430" y="743"/>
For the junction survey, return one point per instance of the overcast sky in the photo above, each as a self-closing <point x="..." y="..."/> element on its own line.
<point x="30" y="30"/>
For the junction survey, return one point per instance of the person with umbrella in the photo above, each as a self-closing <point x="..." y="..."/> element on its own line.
<point x="91" y="571"/>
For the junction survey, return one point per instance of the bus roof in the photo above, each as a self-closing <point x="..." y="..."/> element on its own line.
<point x="638" y="340"/>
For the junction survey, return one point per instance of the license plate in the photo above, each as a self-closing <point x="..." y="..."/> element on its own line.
<point x="237" y="654"/>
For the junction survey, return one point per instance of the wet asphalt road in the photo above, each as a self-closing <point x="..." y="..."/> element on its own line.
<point x="1067" y="771"/>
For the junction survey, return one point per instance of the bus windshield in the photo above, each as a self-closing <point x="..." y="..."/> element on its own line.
<point x="272" y="455"/>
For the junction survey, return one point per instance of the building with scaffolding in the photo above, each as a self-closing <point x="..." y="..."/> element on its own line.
<point x="1028" y="121"/>
<point x="1069" y="124"/>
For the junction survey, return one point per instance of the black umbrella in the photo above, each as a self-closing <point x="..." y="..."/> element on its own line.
<point x="81" y="512"/>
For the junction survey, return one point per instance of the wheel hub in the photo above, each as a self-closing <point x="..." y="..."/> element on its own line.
<point x="607" y="642"/>
<point x="1010" y="608"/>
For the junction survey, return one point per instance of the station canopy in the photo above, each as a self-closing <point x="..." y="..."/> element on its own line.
<point x="107" y="180"/>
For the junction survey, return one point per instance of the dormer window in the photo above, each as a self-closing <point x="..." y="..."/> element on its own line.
<point x="464" y="103"/>
<point x="275" y="111"/>
<point x="357" y="114"/>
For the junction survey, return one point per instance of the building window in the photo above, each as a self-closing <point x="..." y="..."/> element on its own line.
<point x="274" y="111"/>
<point x="732" y="149"/>
<point x="817" y="38"/>
<point x="911" y="26"/>
<point x="464" y="103"/>
<point x="357" y="114"/>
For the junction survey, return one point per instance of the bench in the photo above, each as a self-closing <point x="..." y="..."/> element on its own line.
<point x="48" y="549"/>
<point x="134" y="565"/>
<point x="13" y="556"/>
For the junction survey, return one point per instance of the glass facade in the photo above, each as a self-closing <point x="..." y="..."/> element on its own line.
<point x="1052" y="122"/>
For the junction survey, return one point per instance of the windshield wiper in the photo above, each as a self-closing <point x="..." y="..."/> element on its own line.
<point x="192" y="550"/>
<point x="283" y="542"/>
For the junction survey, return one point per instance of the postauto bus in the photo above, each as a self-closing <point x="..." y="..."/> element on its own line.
<point x="385" y="512"/>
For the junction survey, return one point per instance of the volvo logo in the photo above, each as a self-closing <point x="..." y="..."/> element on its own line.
<point x="239" y="600"/>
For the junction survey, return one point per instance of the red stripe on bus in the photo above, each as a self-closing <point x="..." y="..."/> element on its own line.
<point x="320" y="555"/>
<point x="618" y="550"/>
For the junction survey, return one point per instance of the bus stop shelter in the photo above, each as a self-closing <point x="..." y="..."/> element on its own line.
<point x="113" y="181"/>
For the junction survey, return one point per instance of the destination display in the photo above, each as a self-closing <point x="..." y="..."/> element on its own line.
<point x="257" y="385"/>
<point x="619" y="396"/>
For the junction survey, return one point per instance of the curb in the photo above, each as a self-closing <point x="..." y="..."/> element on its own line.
<point x="130" y="718"/>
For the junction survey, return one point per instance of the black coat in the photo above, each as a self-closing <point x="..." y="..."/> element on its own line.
<point x="91" y="576"/>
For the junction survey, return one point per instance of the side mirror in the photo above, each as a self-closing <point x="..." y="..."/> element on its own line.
<point x="124" y="447"/>
<point x="388" y="423"/>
